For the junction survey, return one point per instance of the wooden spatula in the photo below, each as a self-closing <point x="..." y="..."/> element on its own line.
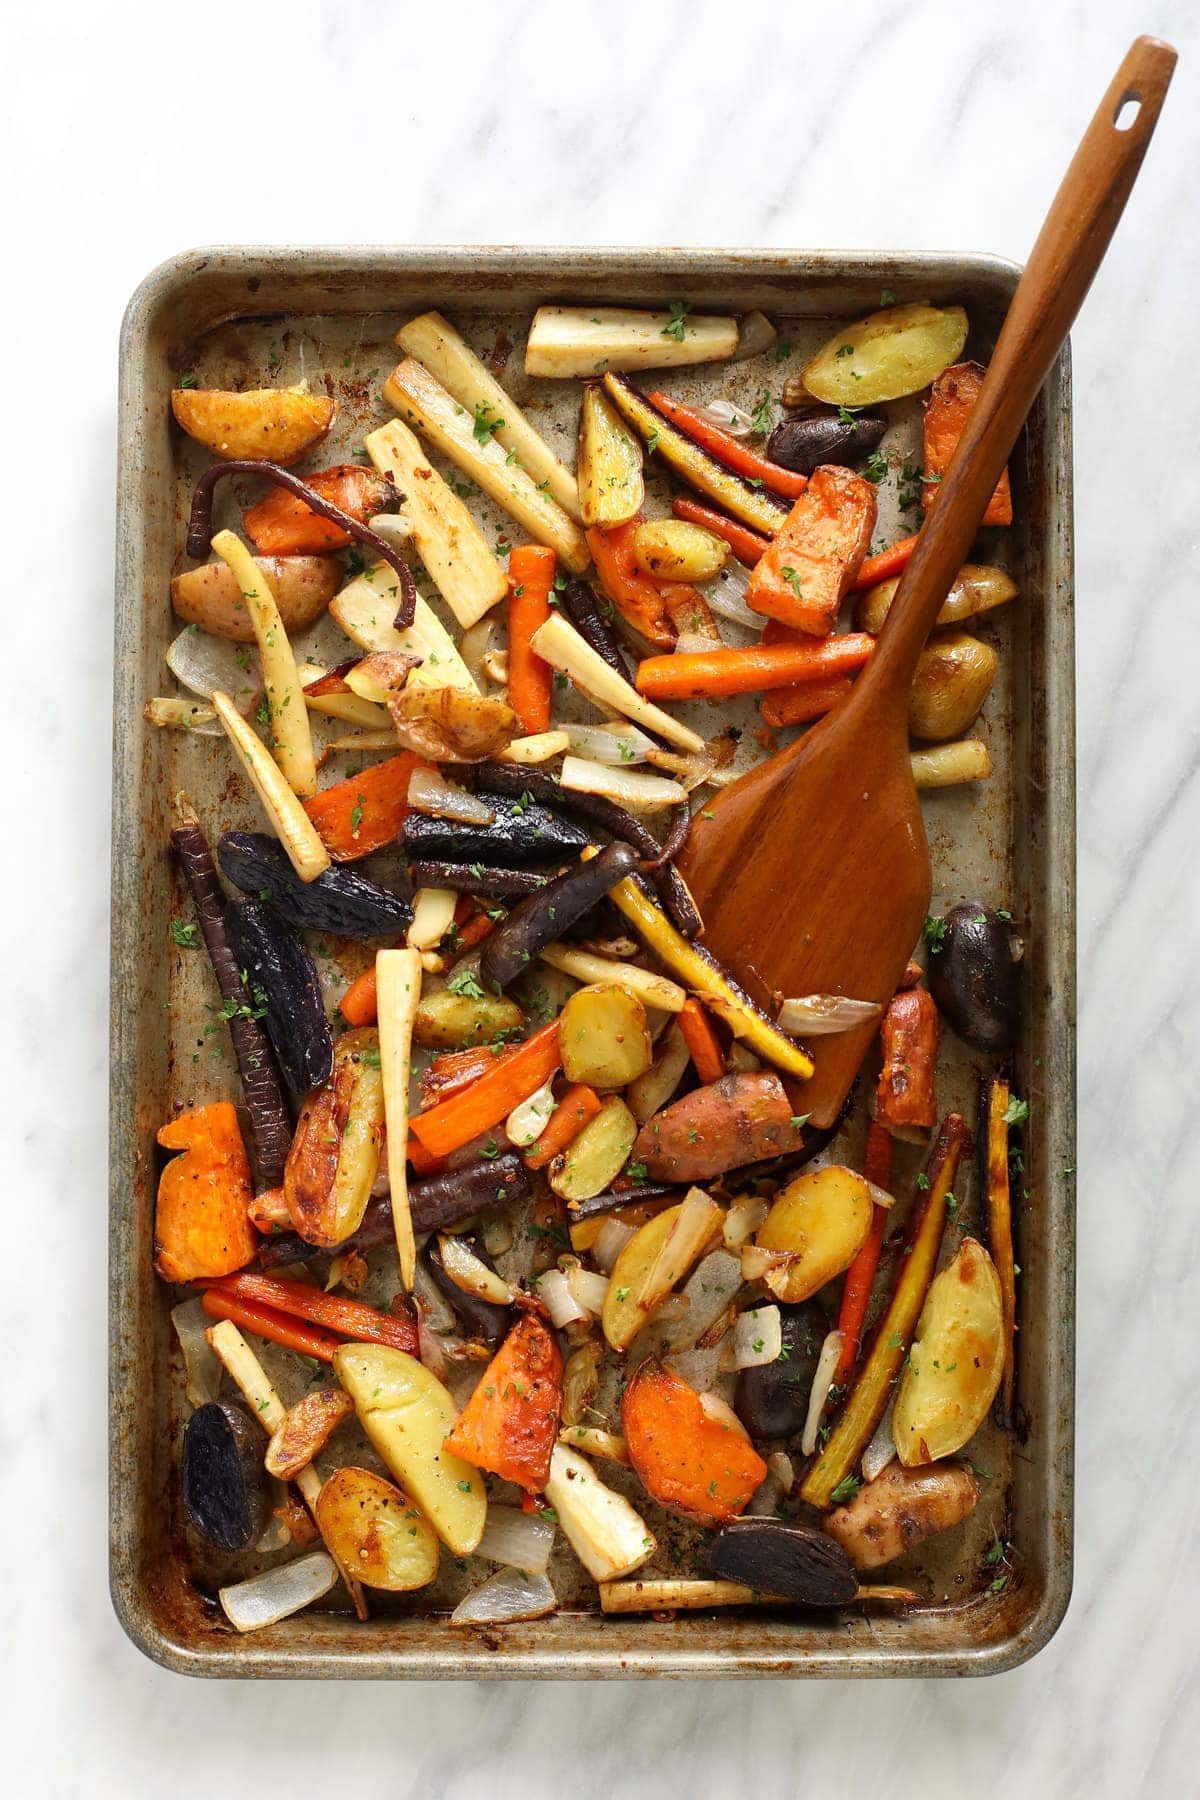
<point x="812" y="872"/>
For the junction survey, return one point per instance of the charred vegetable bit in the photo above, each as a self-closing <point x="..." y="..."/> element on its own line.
<point x="481" y="1319"/>
<point x="200" y="531"/>
<point x="221" y="1473"/>
<point x="477" y="878"/>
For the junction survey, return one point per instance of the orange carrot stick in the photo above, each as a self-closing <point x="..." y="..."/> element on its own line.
<point x="746" y="545"/>
<point x="306" y="1339"/>
<point x="363" y="814"/>
<point x="730" y="450"/>
<point x="530" y="582"/>
<point x="886" y="563"/>
<point x="350" y="1318"/>
<point x="577" y="1106"/>
<point x="711" y="673"/>
<point x="511" y="1079"/>
<point x="704" y="1046"/>
<point x="359" y="1003"/>
<point x="282" y="524"/>
<point x="455" y="1070"/>
<point x="812" y="700"/>
<point x="856" y="1293"/>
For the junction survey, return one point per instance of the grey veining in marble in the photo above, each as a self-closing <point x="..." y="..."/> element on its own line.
<point x="895" y="123"/>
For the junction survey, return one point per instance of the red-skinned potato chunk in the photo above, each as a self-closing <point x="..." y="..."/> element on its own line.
<point x="202" y="1221"/>
<point x="739" y="1119"/>
<point x="689" y="1455"/>
<point x="509" y="1426"/>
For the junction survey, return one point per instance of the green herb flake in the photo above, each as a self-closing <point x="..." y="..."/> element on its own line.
<point x="1016" y="1112"/>
<point x="845" y="1490"/>
<point x="675" y="327"/>
<point x="186" y="936"/>
<point x="934" y="933"/>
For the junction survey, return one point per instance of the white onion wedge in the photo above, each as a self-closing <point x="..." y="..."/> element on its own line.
<point x="202" y="663"/>
<point x="472" y="1276"/>
<point x="527" y="1120"/>
<point x="506" y="1597"/>
<point x="202" y="1365"/>
<point x="265" y="1599"/>
<point x="429" y="792"/>
<point x="618" y="745"/>
<point x="821" y="1015"/>
<point x="632" y="788"/>
<point x="882" y="1448"/>
<point x="606" y="1534"/>
<point x="174" y="713"/>
<point x="708" y="1291"/>
<point x="540" y="747"/>
<point x="612" y="1240"/>
<point x="818" y="1398"/>
<point x="517" y="1539"/>
<point x="757" y="1338"/>
<point x="433" y="915"/>
<point x="743" y="1219"/>
<point x="697" y="1219"/>
<point x="554" y="1291"/>
<point x="587" y="1289"/>
<point x="728" y="416"/>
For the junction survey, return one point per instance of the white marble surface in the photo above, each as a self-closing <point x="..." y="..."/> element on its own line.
<point x="130" y="131"/>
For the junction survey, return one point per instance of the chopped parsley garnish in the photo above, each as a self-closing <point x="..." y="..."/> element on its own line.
<point x="485" y="428"/>
<point x="1016" y="1112"/>
<point x="467" y="983"/>
<point x="186" y="936"/>
<point x="934" y="933"/>
<point x="674" y="328"/>
<point x="845" y="1490"/>
<point x="761" y="417"/>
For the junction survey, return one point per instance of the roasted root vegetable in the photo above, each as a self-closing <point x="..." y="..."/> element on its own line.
<point x="815" y="1229"/>
<point x="996" y="1109"/>
<point x="334" y="900"/>
<point x="894" y="352"/>
<point x="561" y="646"/>
<point x="977" y="588"/>
<point x="374" y="1529"/>
<point x="652" y="1091"/>
<point x="906" y="1093"/>
<point x="948" y="765"/>
<point x="542" y="917"/>
<point x="280" y="980"/>
<point x="702" y="973"/>
<point x="805" y="444"/>
<point x="790" y="1560"/>
<point x="951" y="402"/>
<point x="639" y="600"/>
<point x="955" y="1361"/>
<point x="753" y="506"/>
<point x="585" y="340"/>
<point x="595" y="1157"/>
<point x="974" y="977"/>
<point x="407" y="1414"/>
<point x="714" y="674"/>
<point x="605" y="1039"/>
<point x="448" y="1198"/>
<point x="695" y="1224"/>
<point x="703" y="1044"/>
<point x="398" y="991"/>
<point x="447" y="725"/>
<point x="513" y="1077"/>
<point x="531" y="569"/>
<point x="278" y="425"/>
<point x="335" y="1153"/>
<point x="211" y="596"/>
<point x="471" y="444"/>
<point x="282" y="524"/>
<point x="900" y="1509"/>
<point x="295" y="831"/>
<point x="450" y="1020"/>
<point x="201" y="1222"/>
<point x="577" y="1106"/>
<point x="772" y="1399"/>
<point x="746" y="545"/>
<point x="729" y="450"/>
<point x="739" y="1119"/>
<point x="869" y="1396"/>
<point x="673" y="550"/>
<point x="689" y="1451"/>
<point x="366" y="611"/>
<point x="510" y="1424"/>
<point x="808" y="700"/>
<point x="308" y="1427"/>
<point x="607" y="1535"/>
<point x="333" y="1312"/>
<point x="638" y="1271"/>
<point x="434" y="342"/>
<point x="856" y="1293"/>
<point x="221" y="1476"/>
<point x="523" y="831"/>
<point x="609" y="461"/>
<point x="816" y="554"/>
<point x="954" y="676"/>
<point x="357" y="817"/>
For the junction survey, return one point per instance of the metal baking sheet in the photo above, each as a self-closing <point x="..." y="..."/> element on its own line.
<point x="250" y="317"/>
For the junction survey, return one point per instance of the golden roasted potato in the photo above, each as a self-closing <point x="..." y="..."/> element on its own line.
<point x="652" y="1091"/>
<point x="604" y="1036"/>
<point x="593" y="1160"/>
<point x="955" y="1363"/>
<point x="978" y="587"/>
<point x="820" y="1222"/>
<point x="376" y="1533"/>
<point x="449" y="1021"/>
<point x="334" y="1158"/>
<point x="899" y="1509"/>
<point x="954" y="676"/>
<point x="408" y="1415"/>
<point x="673" y="550"/>
<point x="447" y="724"/>
<point x="608" y="464"/>
<point x="306" y="1428"/>
<point x="655" y="1259"/>
<point x="211" y="596"/>
<point x="262" y="425"/>
<point x="894" y="352"/>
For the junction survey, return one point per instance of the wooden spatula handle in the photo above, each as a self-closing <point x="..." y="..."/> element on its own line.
<point x="1069" y="250"/>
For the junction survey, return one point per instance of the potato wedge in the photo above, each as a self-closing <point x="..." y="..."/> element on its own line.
<point x="673" y="550"/>
<point x="622" y="1317"/>
<point x="605" y="1038"/>
<point x="611" y="487"/>
<point x="954" y="676"/>
<point x="449" y="1021"/>
<point x="262" y="425"/>
<point x="211" y="596"/>
<point x="306" y="1429"/>
<point x="447" y="724"/>
<point x="892" y="353"/>
<point x="652" y="1091"/>
<point x="585" y="340"/>
<point x="334" y="1158"/>
<point x="408" y="1414"/>
<point x="820" y="1221"/>
<point x="593" y="1160"/>
<point x="376" y="1532"/>
<point x="978" y="587"/>
<point x="696" y="1224"/>
<point x="899" y="1509"/>
<point x="956" y="1360"/>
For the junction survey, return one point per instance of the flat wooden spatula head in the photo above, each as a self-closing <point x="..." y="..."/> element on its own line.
<point x="812" y="877"/>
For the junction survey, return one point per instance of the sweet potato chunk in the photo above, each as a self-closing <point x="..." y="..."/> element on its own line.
<point x="510" y="1424"/>
<point x="281" y="524"/>
<point x="739" y="1119"/>
<point x="688" y="1449"/>
<point x="202" y="1222"/>
<point x="813" y="559"/>
<point x="906" y="1098"/>
<point x="954" y="394"/>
